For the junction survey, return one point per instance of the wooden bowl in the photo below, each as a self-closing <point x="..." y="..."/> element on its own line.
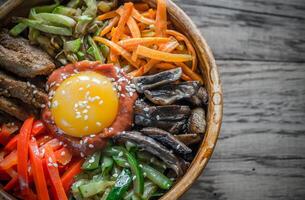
<point x="212" y="82"/>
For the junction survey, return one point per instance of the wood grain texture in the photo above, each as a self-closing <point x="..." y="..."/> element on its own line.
<point x="260" y="153"/>
<point x="259" y="45"/>
<point x="241" y="34"/>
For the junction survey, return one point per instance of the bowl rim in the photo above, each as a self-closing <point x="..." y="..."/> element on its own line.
<point x="212" y="81"/>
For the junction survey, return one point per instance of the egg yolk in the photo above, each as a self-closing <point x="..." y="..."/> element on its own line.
<point x="84" y="104"/>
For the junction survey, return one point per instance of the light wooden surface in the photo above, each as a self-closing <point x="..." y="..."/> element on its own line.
<point x="260" y="49"/>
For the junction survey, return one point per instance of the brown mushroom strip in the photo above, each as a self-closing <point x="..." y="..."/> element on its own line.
<point x="26" y="92"/>
<point x="153" y="147"/>
<point x="23" y="59"/>
<point x="189" y="139"/>
<point x="196" y="122"/>
<point x="169" y="94"/>
<point x="167" y="140"/>
<point x="200" y="98"/>
<point x="152" y="81"/>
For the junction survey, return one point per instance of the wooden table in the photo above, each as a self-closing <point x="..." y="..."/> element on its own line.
<point x="259" y="46"/>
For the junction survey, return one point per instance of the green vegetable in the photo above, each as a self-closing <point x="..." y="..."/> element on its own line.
<point x="56" y="19"/>
<point x="75" y="188"/>
<point x="73" y="45"/>
<point x="45" y="9"/>
<point x="64" y="11"/>
<point x="47" y="28"/>
<point x="107" y="164"/>
<point x="82" y="23"/>
<point x="137" y="171"/>
<point x="92" y="162"/>
<point x="148" y="158"/>
<point x="80" y="55"/>
<point x="122" y="184"/>
<point x="157" y="177"/>
<point x="120" y="161"/>
<point x="106" y="193"/>
<point x="105" y="6"/>
<point x="95" y="50"/>
<point x="149" y="189"/>
<point x="73" y="3"/>
<point x="91" y="9"/>
<point x="113" y="151"/>
<point x="33" y="34"/>
<point x="105" y="50"/>
<point x="17" y="29"/>
<point x="94" y="187"/>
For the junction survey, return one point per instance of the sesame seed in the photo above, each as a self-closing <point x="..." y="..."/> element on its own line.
<point x="115" y="175"/>
<point x="98" y="123"/>
<point x="120" y="154"/>
<point x="86" y="128"/>
<point x="50" y="159"/>
<point x="35" y="92"/>
<point x="62" y="153"/>
<point x="81" y="89"/>
<point x="43" y="105"/>
<point x="85" y="111"/>
<point x="100" y="102"/>
<point x="92" y="135"/>
<point x="86" y="117"/>
<point x="55" y="164"/>
<point x="55" y="104"/>
<point x="134" y="178"/>
<point x="146" y="109"/>
<point x="82" y="154"/>
<point x="91" y="146"/>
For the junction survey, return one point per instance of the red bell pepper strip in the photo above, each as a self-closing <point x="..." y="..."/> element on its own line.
<point x="54" y="144"/>
<point x="12" y="144"/>
<point x="38" y="174"/>
<point x="38" y="128"/>
<point x="68" y="178"/>
<point x="52" y="170"/>
<point x="63" y="156"/>
<point x="11" y="184"/>
<point x="9" y="161"/>
<point x="4" y="135"/>
<point x="22" y="154"/>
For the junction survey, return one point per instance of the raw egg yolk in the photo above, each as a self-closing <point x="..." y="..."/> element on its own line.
<point x="84" y="104"/>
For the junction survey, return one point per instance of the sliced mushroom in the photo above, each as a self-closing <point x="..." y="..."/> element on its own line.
<point x="188" y="139"/>
<point x="152" y="81"/>
<point x="200" y="98"/>
<point x="171" y="93"/>
<point x="167" y="140"/>
<point x="196" y="122"/>
<point x="153" y="147"/>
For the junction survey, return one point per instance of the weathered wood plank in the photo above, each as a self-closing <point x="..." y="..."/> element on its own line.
<point x="260" y="153"/>
<point x="291" y="8"/>
<point x="243" y="35"/>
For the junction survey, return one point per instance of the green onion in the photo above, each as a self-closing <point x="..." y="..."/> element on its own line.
<point x="17" y="29"/>
<point x="149" y="189"/>
<point x="57" y="19"/>
<point x="94" y="187"/>
<point x="157" y="177"/>
<point x="95" y="50"/>
<point x="45" y="9"/>
<point x="73" y="45"/>
<point x="107" y="164"/>
<point x="47" y="28"/>
<point x="64" y="11"/>
<point x="92" y="162"/>
<point x="73" y="3"/>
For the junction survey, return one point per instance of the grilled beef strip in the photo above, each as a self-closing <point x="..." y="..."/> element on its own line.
<point x="18" y="56"/>
<point x="26" y="92"/>
<point x="13" y="108"/>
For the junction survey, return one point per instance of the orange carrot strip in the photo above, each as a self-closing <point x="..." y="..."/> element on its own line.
<point x="141" y="18"/>
<point x="194" y="76"/>
<point x="11" y="145"/>
<point x="68" y="178"/>
<point x="148" y="33"/>
<point x="168" y="47"/>
<point x="161" y="18"/>
<point x="111" y="24"/>
<point x="38" y="128"/>
<point x="185" y="77"/>
<point x="53" y="174"/>
<point x="141" y="6"/>
<point x="118" y="49"/>
<point x="134" y="56"/>
<point x="38" y="173"/>
<point x="161" y="55"/>
<point x="181" y="37"/>
<point x="127" y="10"/>
<point x="22" y="153"/>
<point x="151" y="14"/>
<point x="107" y="15"/>
<point x="165" y="66"/>
<point x="134" y="42"/>
<point x="133" y="27"/>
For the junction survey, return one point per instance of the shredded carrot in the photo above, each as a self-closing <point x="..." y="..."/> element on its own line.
<point x="126" y="13"/>
<point x="107" y="15"/>
<point x="148" y="33"/>
<point x="181" y="37"/>
<point x="193" y="75"/>
<point x="141" y="6"/>
<point x="133" y="27"/>
<point x="141" y="18"/>
<point x="118" y="49"/>
<point x="161" y="55"/>
<point x="111" y="24"/>
<point x="134" y="56"/>
<point x="161" y="18"/>
<point x="151" y="14"/>
<point x="165" y="66"/>
<point x="185" y="77"/>
<point x="168" y="47"/>
<point x="134" y="42"/>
